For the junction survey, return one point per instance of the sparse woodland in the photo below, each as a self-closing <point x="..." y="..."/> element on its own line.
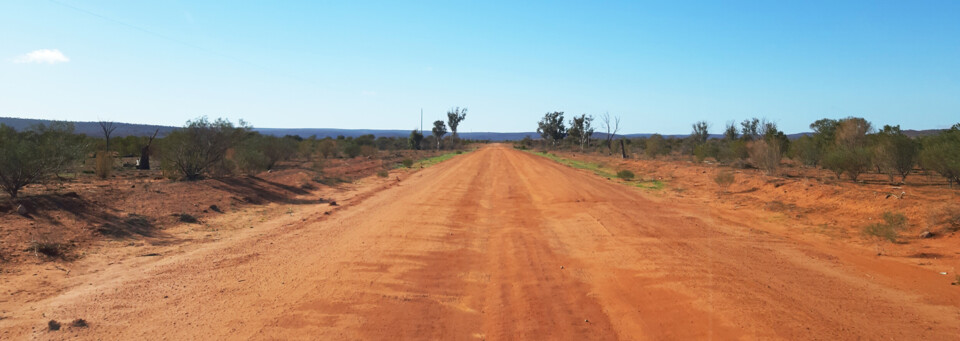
<point x="63" y="183"/>
<point x="846" y="148"/>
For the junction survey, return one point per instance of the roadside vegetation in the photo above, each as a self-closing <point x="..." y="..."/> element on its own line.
<point x="748" y="161"/>
<point x="59" y="186"/>
<point x="847" y="148"/>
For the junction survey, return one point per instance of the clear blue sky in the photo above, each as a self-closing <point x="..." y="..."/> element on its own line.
<point x="351" y="64"/>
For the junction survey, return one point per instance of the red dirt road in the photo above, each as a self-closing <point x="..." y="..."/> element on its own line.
<point x="500" y="244"/>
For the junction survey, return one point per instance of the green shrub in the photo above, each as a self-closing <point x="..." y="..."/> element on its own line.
<point x="407" y="163"/>
<point x="625" y="175"/>
<point x="896" y="153"/>
<point x="187" y="218"/>
<point x="724" y="179"/>
<point x="51" y="250"/>
<point x="656" y="145"/>
<point x="250" y="160"/>
<point x="351" y="150"/>
<point x="940" y="154"/>
<point x="947" y="216"/>
<point x="383" y="173"/>
<point x="851" y="161"/>
<point x="327" y="148"/>
<point x="368" y="151"/>
<point x="887" y="231"/>
<point x="36" y="155"/>
<point x="732" y="151"/>
<point x="103" y="165"/>
<point x="765" y="154"/>
<point x="806" y="150"/>
<point x="194" y="150"/>
<point x="257" y="153"/>
<point x="701" y="152"/>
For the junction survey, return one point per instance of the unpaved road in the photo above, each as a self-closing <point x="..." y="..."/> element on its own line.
<point x="500" y="244"/>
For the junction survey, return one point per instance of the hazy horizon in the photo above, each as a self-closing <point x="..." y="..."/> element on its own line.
<point x="660" y="66"/>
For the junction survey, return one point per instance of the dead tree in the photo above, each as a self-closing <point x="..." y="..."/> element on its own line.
<point x="107" y="127"/>
<point x="610" y="126"/>
<point x="623" y="150"/>
<point x="144" y="162"/>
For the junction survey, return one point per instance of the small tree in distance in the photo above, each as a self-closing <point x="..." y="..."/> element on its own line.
<point x="730" y="133"/>
<point x="439" y="129"/>
<point x="415" y="138"/>
<point x="107" y="127"/>
<point x="610" y="127"/>
<point x="700" y="133"/>
<point x="551" y="127"/>
<point x="896" y="153"/>
<point x="655" y="146"/>
<point x="849" y="153"/>
<point x="454" y="117"/>
<point x="750" y="129"/>
<point x="581" y="129"/>
<point x="940" y="154"/>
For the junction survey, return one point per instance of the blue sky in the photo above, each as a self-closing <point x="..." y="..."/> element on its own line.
<point x="351" y="64"/>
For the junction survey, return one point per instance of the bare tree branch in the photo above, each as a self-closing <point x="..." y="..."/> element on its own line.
<point x="611" y="125"/>
<point x="107" y="127"/>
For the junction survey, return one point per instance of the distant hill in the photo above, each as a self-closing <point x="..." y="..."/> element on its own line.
<point x="92" y="128"/>
<point x="330" y="132"/>
<point x="127" y="129"/>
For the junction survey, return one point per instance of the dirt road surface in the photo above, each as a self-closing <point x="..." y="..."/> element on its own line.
<point x="500" y="244"/>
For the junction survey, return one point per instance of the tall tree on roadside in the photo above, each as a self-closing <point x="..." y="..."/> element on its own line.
<point x="896" y="153"/>
<point x="610" y="126"/>
<point x="852" y="132"/>
<point x="439" y="129"/>
<point x="824" y="134"/>
<point x="848" y="154"/>
<point x="551" y="127"/>
<point x="454" y="117"/>
<point x="940" y="154"/>
<point x="581" y="129"/>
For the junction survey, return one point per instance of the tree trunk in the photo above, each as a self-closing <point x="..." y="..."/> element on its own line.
<point x="144" y="159"/>
<point x="623" y="150"/>
<point x="144" y="162"/>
